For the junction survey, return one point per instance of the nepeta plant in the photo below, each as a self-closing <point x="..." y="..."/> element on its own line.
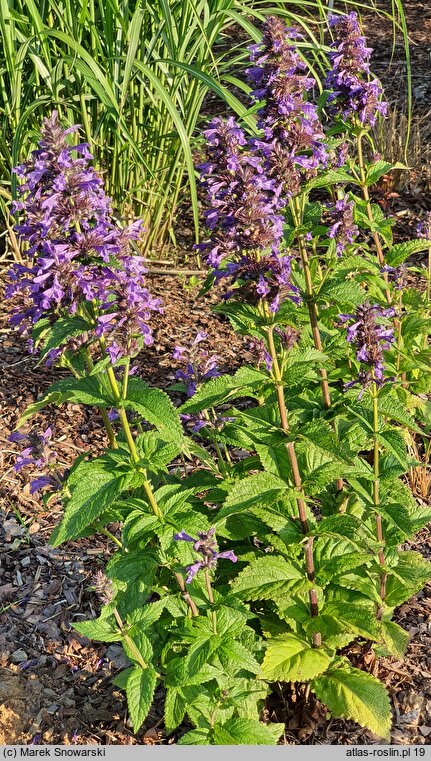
<point x="236" y="572"/>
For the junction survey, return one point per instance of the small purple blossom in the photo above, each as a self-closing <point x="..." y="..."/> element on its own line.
<point x="423" y="229"/>
<point x="293" y="140"/>
<point x="351" y="94"/>
<point x="206" y="546"/>
<point x="342" y="228"/>
<point x="199" y="365"/>
<point x="36" y="452"/>
<point x="79" y="258"/>
<point x="370" y="338"/>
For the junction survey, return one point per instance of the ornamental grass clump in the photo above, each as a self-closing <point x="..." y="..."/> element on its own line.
<point x="294" y="468"/>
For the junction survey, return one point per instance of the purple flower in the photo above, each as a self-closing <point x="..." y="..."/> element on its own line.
<point x="243" y="216"/>
<point x="423" y="229"/>
<point x="370" y="338"/>
<point x="342" y="227"/>
<point x="351" y="94"/>
<point x="199" y="365"/>
<point x="36" y="452"/>
<point x="293" y="140"/>
<point x="81" y="262"/>
<point x="206" y="546"/>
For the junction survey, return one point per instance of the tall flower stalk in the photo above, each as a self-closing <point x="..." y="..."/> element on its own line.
<point x="371" y="337"/>
<point x="355" y="99"/>
<point x="293" y="143"/>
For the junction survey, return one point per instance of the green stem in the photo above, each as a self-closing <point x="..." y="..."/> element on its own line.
<point x="111" y="536"/>
<point x="106" y="422"/>
<point x="130" y="440"/>
<point x="376" y="496"/>
<point x="366" y="195"/>
<point x="285" y="426"/>
<point x="311" y="303"/>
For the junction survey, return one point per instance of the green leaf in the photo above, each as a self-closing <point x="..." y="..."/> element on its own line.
<point x="247" y="382"/>
<point x="401" y="251"/>
<point x="140" y="687"/>
<point x="175" y="709"/>
<point x="341" y="292"/>
<point x="87" y="390"/>
<point x="99" y="629"/>
<point x="246" y="732"/>
<point x="234" y="654"/>
<point x="353" y="694"/>
<point x="378" y="169"/>
<point x="331" y="177"/>
<point x="291" y="659"/>
<point x="267" y="576"/>
<point x="142" y="645"/>
<point x="394" y="442"/>
<point x="94" y="487"/>
<point x="155" y="407"/>
<point x="395" y="638"/>
<point x="64" y="328"/>
<point x="196" y="737"/>
<point x="358" y="619"/>
<point x="407" y="577"/>
<point x="259" y="489"/>
<point x="200" y="652"/>
<point x="397" y="516"/>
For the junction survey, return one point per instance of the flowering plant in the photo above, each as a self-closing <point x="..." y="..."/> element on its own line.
<point x="312" y="517"/>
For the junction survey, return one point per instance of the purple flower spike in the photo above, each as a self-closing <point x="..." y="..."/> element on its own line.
<point x="293" y="140"/>
<point x="206" y="546"/>
<point x="342" y="227"/>
<point x="351" y="95"/>
<point x="370" y="338"/>
<point x="199" y="365"/>
<point x="78" y="253"/>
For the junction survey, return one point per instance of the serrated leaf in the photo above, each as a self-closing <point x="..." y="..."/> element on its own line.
<point x="289" y="658"/>
<point x="406" y="578"/>
<point x="358" y="619"/>
<point x="341" y="292"/>
<point x="96" y="485"/>
<point x="87" y="391"/>
<point x="246" y="382"/>
<point x="395" y="638"/>
<point x="378" y="169"/>
<point x="331" y="177"/>
<point x="353" y="694"/>
<point x="401" y="251"/>
<point x="246" y="732"/>
<point x="140" y="687"/>
<point x="196" y="737"/>
<point x="394" y="442"/>
<point x="397" y="516"/>
<point x="156" y="408"/>
<point x="200" y="652"/>
<point x="141" y="644"/>
<point x="99" y="629"/>
<point x="233" y="653"/>
<point x="64" y="328"/>
<point x="265" y="577"/>
<point x="175" y="709"/>
<point x="259" y="489"/>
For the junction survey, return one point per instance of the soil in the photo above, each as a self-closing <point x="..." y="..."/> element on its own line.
<point x="56" y="685"/>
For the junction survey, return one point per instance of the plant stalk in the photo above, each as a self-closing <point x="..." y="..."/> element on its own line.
<point x="211" y="599"/>
<point x="376" y="496"/>
<point x="311" y="304"/>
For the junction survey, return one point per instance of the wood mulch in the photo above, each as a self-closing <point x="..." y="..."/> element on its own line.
<point x="56" y="685"/>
